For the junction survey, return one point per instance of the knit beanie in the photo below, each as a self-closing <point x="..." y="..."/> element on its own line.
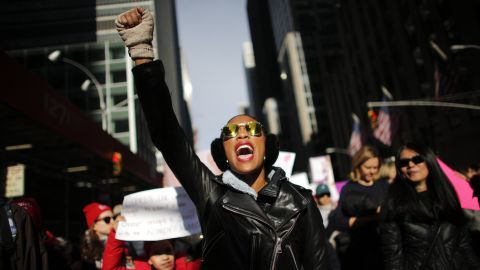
<point x="158" y="247"/>
<point x="93" y="210"/>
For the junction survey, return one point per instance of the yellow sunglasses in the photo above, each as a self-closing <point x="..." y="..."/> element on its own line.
<point x="231" y="130"/>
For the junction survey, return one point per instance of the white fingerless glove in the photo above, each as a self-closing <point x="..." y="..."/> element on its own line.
<point x="139" y="38"/>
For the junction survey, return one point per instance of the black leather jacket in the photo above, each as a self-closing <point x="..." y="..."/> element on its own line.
<point x="238" y="233"/>
<point x="405" y="245"/>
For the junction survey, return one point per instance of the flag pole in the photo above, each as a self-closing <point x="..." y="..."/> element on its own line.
<point x="420" y="103"/>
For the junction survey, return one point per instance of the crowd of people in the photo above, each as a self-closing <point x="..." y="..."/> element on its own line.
<point x="410" y="219"/>
<point x="398" y="213"/>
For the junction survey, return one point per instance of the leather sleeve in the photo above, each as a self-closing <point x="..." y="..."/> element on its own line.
<point x="168" y="136"/>
<point x="113" y="253"/>
<point x="315" y="250"/>
<point x="391" y="245"/>
<point x="465" y="245"/>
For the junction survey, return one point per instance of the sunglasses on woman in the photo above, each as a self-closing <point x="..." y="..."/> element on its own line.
<point x="105" y="219"/>
<point x="231" y="130"/>
<point x="415" y="159"/>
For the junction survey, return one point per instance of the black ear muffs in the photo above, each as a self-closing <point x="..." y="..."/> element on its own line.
<point x="218" y="154"/>
<point x="272" y="149"/>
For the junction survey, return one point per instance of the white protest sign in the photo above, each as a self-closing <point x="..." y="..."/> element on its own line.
<point x="322" y="173"/>
<point x="300" y="179"/>
<point x="321" y="169"/>
<point x="15" y="186"/>
<point x="285" y="161"/>
<point x="158" y="214"/>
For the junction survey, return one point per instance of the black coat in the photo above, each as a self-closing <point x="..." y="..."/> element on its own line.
<point x="406" y="243"/>
<point x="238" y="233"/>
<point x="27" y="249"/>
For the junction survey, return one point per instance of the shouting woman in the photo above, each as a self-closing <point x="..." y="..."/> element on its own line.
<point x="252" y="217"/>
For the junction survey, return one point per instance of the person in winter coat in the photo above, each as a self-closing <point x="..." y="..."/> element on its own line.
<point x="252" y="217"/>
<point x="54" y="250"/>
<point x="99" y="219"/>
<point x="423" y="225"/>
<point x="159" y="255"/>
<point x="356" y="215"/>
<point x="20" y="246"/>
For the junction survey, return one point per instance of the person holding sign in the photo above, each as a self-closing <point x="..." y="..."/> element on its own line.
<point x="252" y="217"/>
<point x="159" y="255"/>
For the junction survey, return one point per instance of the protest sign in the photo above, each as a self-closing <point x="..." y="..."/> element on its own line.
<point x="158" y="214"/>
<point x="322" y="173"/>
<point x="285" y="161"/>
<point x="15" y="184"/>
<point x="300" y="179"/>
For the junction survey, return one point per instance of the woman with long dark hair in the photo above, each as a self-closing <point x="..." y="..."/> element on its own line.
<point x="252" y="217"/>
<point x="423" y="224"/>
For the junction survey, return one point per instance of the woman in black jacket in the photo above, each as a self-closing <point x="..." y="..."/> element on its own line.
<point x="423" y="226"/>
<point x="252" y="217"/>
<point x="356" y="216"/>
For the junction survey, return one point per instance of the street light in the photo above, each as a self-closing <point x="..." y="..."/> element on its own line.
<point x="56" y="55"/>
<point x="417" y="103"/>
<point x="438" y="50"/>
<point x="459" y="47"/>
<point x="331" y="150"/>
<point x="454" y="48"/>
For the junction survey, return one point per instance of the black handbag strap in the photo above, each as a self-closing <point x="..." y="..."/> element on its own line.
<point x="430" y="250"/>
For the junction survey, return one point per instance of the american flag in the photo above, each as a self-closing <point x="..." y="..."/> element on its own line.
<point x="383" y="132"/>
<point x="356" y="138"/>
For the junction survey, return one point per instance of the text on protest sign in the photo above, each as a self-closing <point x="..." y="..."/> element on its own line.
<point x="158" y="214"/>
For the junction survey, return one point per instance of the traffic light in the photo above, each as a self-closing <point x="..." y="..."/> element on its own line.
<point x="372" y="115"/>
<point x="117" y="163"/>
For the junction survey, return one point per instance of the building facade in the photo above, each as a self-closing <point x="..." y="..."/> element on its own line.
<point x="73" y="49"/>
<point x="349" y="53"/>
<point x="302" y="43"/>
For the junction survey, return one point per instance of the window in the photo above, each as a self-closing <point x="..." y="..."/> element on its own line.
<point x="121" y="125"/>
<point x="118" y="53"/>
<point x="119" y="76"/>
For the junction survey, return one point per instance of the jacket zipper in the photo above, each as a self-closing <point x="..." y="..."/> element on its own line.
<point x="276" y="251"/>
<point x="278" y="244"/>
<point x="253" y="251"/>
<point x="293" y="256"/>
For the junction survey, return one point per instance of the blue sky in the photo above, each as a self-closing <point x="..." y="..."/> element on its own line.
<point x="211" y="34"/>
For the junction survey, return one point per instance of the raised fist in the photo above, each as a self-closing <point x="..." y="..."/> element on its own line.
<point x="135" y="27"/>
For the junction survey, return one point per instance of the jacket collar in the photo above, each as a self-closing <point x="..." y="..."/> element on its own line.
<point x="232" y="180"/>
<point x="275" y="176"/>
<point x="289" y="201"/>
<point x="243" y="204"/>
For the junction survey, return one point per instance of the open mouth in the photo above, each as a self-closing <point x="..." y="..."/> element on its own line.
<point x="244" y="151"/>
